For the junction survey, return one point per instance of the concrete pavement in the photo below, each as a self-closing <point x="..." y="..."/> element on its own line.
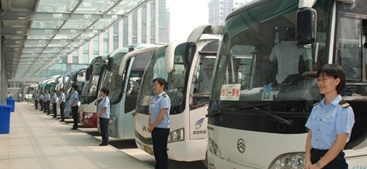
<point x="36" y="141"/>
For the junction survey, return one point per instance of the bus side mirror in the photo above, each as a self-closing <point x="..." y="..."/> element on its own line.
<point x="110" y="64"/>
<point x="190" y="50"/>
<point x="87" y="74"/>
<point x="306" y="25"/>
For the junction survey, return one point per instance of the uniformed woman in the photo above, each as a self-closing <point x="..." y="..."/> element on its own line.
<point x="103" y="113"/>
<point x="330" y="122"/>
<point x="159" y="122"/>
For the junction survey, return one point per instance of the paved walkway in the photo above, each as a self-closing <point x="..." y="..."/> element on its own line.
<point x="36" y="141"/>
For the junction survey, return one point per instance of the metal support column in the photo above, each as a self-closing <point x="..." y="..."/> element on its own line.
<point x="3" y="74"/>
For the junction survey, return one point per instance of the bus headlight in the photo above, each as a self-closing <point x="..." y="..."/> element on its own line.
<point x="177" y="135"/>
<point x="289" y="161"/>
<point x="214" y="148"/>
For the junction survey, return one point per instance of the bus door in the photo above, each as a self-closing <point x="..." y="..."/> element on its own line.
<point x="199" y="96"/>
<point x="350" y="53"/>
<point x="134" y="73"/>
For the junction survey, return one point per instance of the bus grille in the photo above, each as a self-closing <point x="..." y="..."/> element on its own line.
<point x="142" y="139"/>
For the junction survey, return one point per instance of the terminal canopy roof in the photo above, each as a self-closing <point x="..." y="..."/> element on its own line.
<point x="38" y="33"/>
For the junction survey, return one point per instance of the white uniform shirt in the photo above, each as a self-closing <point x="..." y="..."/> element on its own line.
<point x="287" y="55"/>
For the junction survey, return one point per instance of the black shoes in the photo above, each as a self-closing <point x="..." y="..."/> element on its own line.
<point x="73" y="129"/>
<point x="61" y="120"/>
<point x="103" y="144"/>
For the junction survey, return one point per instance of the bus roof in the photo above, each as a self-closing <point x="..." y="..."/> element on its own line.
<point x="119" y="50"/>
<point x="132" y="53"/>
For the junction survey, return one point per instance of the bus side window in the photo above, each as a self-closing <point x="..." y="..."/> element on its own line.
<point x="242" y="56"/>
<point x="350" y="53"/>
<point x="364" y="38"/>
<point x="349" y="47"/>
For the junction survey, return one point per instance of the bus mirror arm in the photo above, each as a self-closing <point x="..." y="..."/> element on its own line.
<point x="133" y="114"/>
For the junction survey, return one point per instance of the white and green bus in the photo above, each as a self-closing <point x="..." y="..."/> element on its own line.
<point x="257" y="122"/>
<point x="187" y="67"/>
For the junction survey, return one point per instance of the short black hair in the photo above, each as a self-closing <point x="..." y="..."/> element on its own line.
<point x="289" y="33"/>
<point x="105" y="90"/>
<point x="62" y="90"/>
<point x="161" y="81"/>
<point x="337" y="72"/>
<point x="75" y="86"/>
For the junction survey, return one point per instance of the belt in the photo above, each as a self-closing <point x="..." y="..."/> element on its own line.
<point x="319" y="150"/>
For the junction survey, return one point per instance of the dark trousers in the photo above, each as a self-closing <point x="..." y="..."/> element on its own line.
<point x="44" y="106"/>
<point x="62" y="108"/>
<point x="103" y="124"/>
<point x="36" y="103"/>
<point x="48" y="107"/>
<point x="74" y="111"/>
<point x="159" y="137"/>
<point x="41" y="103"/>
<point x="54" y="105"/>
<point x="338" y="162"/>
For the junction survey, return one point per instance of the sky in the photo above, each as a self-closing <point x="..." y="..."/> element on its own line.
<point x="186" y="15"/>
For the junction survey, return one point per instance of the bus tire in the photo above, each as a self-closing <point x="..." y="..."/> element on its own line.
<point x="205" y="161"/>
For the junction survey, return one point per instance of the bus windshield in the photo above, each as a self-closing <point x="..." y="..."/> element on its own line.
<point x="113" y="81"/>
<point x="176" y="80"/>
<point x="90" y="90"/>
<point x="67" y="88"/>
<point x="258" y="87"/>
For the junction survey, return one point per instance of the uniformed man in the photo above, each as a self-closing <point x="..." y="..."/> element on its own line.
<point x="74" y="105"/>
<point x="54" y="103"/>
<point x="62" y="104"/>
<point x="103" y="113"/>
<point x="287" y="55"/>
<point x="40" y="98"/>
<point x="36" y="95"/>
<point x="46" y="99"/>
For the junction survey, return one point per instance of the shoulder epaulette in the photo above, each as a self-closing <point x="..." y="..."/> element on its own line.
<point x="316" y="104"/>
<point x="343" y="103"/>
<point x="164" y="95"/>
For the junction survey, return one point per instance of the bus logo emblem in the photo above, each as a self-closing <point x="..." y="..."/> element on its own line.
<point x="241" y="145"/>
<point x="199" y="123"/>
<point x="144" y="128"/>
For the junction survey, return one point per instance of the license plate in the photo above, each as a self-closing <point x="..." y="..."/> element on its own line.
<point x="148" y="150"/>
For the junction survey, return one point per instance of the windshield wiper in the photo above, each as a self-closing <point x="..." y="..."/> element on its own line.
<point x="278" y="118"/>
<point x="216" y="112"/>
<point x="252" y="107"/>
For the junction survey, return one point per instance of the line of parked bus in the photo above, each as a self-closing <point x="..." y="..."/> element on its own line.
<point x="128" y="74"/>
<point x="219" y="112"/>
